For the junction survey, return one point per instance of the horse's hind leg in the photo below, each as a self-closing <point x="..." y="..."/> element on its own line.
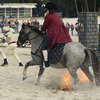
<point x="73" y="73"/>
<point x="40" y="74"/>
<point x="85" y="69"/>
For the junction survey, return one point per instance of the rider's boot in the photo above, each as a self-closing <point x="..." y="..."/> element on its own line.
<point x="45" y="55"/>
<point x="5" y="62"/>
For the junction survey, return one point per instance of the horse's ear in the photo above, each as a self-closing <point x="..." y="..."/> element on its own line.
<point x="23" y="25"/>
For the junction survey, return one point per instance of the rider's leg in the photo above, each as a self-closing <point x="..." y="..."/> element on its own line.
<point x="45" y="53"/>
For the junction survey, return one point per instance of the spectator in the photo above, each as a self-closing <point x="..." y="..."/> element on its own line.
<point x="25" y="23"/>
<point x="17" y="24"/>
<point x="67" y="26"/>
<point x="36" y="24"/>
<point x="28" y="22"/>
<point x="22" y="22"/>
<point x="33" y="23"/>
<point x="7" y="16"/>
<point x="13" y="24"/>
<point x="6" y="22"/>
<point x="9" y="23"/>
<point x="2" y="25"/>
<point x="77" y="26"/>
<point x="72" y="28"/>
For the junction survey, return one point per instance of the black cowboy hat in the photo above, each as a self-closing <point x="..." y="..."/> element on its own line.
<point x="51" y="6"/>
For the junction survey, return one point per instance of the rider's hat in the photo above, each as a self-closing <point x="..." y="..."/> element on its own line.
<point x="5" y="28"/>
<point x="11" y="30"/>
<point x="51" y="6"/>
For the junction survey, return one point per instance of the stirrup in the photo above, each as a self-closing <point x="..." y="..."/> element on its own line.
<point x="45" y="64"/>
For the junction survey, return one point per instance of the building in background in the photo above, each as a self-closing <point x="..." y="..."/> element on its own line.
<point x="17" y="10"/>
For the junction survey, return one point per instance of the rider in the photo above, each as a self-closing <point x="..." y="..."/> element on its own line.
<point x="56" y="31"/>
<point x="11" y="45"/>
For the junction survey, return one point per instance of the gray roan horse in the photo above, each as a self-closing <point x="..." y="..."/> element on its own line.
<point x="74" y="56"/>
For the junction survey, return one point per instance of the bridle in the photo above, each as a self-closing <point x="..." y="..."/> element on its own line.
<point x="27" y="35"/>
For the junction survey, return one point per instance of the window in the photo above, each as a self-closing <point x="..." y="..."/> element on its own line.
<point x="11" y="12"/>
<point x="24" y="12"/>
<point x="2" y="11"/>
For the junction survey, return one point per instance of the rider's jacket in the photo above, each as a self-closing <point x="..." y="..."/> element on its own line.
<point x="56" y="31"/>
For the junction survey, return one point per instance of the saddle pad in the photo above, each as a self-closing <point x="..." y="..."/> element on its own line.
<point x="56" y="53"/>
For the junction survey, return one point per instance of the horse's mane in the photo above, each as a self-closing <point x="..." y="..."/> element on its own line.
<point x="36" y="30"/>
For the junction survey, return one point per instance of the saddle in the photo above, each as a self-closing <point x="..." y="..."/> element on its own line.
<point x="55" y="53"/>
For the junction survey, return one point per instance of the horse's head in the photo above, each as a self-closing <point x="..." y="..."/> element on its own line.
<point x="23" y="35"/>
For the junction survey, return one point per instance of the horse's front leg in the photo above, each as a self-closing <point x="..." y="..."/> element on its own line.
<point x="25" y="69"/>
<point x="40" y="74"/>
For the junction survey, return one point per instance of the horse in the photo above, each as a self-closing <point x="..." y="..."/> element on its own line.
<point x="74" y="56"/>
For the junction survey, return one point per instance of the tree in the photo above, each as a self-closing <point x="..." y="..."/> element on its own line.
<point x="69" y="8"/>
<point x="86" y="9"/>
<point x="99" y="11"/>
<point x="82" y="5"/>
<point x="22" y="1"/>
<point x="76" y="7"/>
<point x="94" y="5"/>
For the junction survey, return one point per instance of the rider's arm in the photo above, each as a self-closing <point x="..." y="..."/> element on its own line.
<point x="45" y="24"/>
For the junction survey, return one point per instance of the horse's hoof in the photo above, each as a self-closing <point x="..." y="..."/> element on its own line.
<point x="24" y="78"/>
<point x="36" y="83"/>
<point x="97" y="83"/>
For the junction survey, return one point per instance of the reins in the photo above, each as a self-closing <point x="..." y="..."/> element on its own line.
<point x="34" y="38"/>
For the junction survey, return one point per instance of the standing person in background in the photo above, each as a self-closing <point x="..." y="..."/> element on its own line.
<point x="32" y="23"/>
<point x="22" y="22"/>
<point x="9" y="23"/>
<point x="72" y="28"/>
<point x="25" y="23"/>
<point x="36" y="24"/>
<point x="28" y="22"/>
<point x="31" y="20"/>
<point x="11" y="46"/>
<point x="2" y="25"/>
<point x="67" y="26"/>
<point x="17" y="24"/>
<point x="77" y="26"/>
<point x="56" y="31"/>
<point x="13" y="25"/>
<point x="6" y="22"/>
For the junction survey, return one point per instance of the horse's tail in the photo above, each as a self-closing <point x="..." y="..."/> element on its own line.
<point x="95" y="65"/>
